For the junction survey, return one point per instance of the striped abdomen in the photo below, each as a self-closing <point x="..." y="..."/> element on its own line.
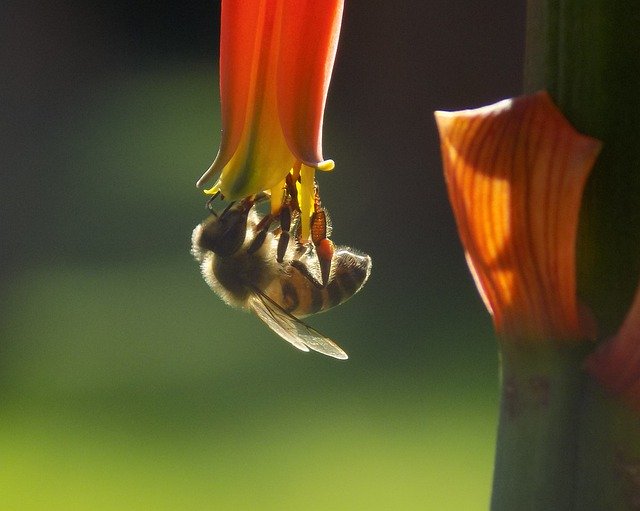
<point x="301" y="294"/>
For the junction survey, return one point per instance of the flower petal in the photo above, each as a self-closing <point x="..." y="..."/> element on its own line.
<point x="515" y="172"/>
<point x="616" y="364"/>
<point x="307" y="53"/>
<point x="240" y="29"/>
<point x="253" y="155"/>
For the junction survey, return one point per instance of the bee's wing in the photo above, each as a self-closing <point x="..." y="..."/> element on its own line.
<point x="291" y="329"/>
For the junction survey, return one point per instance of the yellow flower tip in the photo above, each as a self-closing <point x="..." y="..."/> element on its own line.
<point x="326" y="165"/>
<point x="213" y="190"/>
<point x="515" y="173"/>
<point x="616" y="363"/>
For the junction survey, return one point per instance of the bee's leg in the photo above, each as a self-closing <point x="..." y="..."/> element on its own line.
<point x="291" y="192"/>
<point x="226" y="210"/>
<point x="285" y="235"/>
<point x="325" y="250"/>
<point x="304" y="270"/>
<point x="243" y="205"/>
<point x="262" y="229"/>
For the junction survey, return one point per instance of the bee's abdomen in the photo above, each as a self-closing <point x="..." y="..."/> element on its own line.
<point x="350" y="273"/>
<point x="300" y="296"/>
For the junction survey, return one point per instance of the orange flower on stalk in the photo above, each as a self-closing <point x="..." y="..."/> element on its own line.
<point x="515" y="173"/>
<point x="276" y="59"/>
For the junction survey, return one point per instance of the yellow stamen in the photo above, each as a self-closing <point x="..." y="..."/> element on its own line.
<point x="326" y="165"/>
<point x="277" y="197"/>
<point x="306" y="194"/>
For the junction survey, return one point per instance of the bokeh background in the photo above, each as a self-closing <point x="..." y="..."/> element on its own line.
<point x="125" y="383"/>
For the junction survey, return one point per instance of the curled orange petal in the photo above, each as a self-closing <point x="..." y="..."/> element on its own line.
<point x="515" y="173"/>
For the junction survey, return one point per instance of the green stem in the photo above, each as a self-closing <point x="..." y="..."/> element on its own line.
<point x="537" y="450"/>
<point x="608" y="470"/>
<point x="586" y="53"/>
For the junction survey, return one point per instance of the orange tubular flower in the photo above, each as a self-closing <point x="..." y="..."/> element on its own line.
<point x="515" y="172"/>
<point x="276" y="59"/>
<point x="616" y="364"/>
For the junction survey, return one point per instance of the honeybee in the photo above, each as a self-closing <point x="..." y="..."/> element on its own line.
<point x="253" y="267"/>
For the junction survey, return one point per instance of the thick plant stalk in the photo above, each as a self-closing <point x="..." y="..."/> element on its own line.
<point x="556" y="267"/>
<point x="515" y="172"/>
<point x="537" y="454"/>
<point x="587" y="56"/>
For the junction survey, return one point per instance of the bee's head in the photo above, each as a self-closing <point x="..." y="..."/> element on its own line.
<point x="224" y="234"/>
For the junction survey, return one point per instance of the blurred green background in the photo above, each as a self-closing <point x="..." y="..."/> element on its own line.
<point x="126" y="384"/>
